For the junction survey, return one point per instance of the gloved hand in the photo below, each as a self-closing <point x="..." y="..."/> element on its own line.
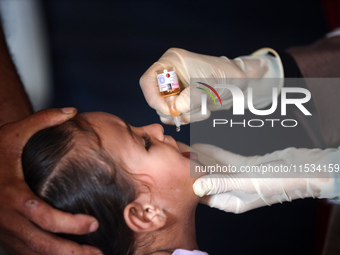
<point x="211" y="70"/>
<point x="241" y="192"/>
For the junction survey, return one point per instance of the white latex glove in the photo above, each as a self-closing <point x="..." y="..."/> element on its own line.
<point x="211" y="70"/>
<point x="241" y="192"/>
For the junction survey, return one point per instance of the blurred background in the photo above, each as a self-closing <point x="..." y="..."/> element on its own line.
<point x="90" y="54"/>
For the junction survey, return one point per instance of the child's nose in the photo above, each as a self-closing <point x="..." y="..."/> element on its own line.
<point x="157" y="131"/>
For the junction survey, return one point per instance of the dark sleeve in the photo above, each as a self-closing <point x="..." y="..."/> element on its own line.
<point x="319" y="60"/>
<point x="322" y="60"/>
<point x="290" y="67"/>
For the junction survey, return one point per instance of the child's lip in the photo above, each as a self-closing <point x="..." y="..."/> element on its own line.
<point x="190" y="155"/>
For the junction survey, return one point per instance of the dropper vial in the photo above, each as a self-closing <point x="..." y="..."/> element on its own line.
<point x="169" y="89"/>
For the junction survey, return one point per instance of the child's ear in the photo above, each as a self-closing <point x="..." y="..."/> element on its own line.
<point x="144" y="217"/>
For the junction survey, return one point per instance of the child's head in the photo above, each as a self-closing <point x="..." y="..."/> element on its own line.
<point x="133" y="180"/>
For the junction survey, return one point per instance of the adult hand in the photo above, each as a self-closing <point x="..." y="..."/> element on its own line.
<point x="25" y="220"/>
<point x="211" y="70"/>
<point x="241" y="192"/>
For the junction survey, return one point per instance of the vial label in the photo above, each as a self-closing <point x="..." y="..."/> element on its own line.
<point x="167" y="81"/>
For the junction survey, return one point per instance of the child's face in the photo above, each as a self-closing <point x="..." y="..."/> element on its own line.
<point x="145" y="151"/>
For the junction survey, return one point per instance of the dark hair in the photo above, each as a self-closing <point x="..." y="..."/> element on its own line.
<point x="68" y="168"/>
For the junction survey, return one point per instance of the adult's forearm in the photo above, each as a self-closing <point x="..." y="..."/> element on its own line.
<point x="14" y="102"/>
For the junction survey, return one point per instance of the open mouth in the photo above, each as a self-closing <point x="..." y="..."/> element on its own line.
<point x="190" y="155"/>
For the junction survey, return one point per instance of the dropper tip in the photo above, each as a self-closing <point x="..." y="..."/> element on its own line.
<point x="177" y="122"/>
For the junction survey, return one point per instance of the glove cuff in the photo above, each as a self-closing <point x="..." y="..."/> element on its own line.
<point x="267" y="71"/>
<point x="275" y="70"/>
<point x="275" y="66"/>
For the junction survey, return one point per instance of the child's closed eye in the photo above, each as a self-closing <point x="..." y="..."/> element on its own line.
<point x="147" y="141"/>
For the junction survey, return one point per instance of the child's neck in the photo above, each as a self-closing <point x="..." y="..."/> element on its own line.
<point x="180" y="233"/>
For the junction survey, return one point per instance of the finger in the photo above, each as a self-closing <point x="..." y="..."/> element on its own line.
<point x="220" y="183"/>
<point x="40" y="120"/>
<point x="59" y="246"/>
<point x="169" y="120"/>
<point x="148" y="82"/>
<point x="211" y="200"/>
<point x="42" y="242"/>
<point x="196" y="116"/>
<point x="206" y="200"/>
<point x="45" y="243"/>
<point x="13" y="245"/>
<point x="20" y="198"/>
<point x="185" y="118"/>
<point x="149" y="86"/>
<point x="190" y="111"/>
<point x="189" y="100"/>
<point x="14" y="136"/>
<point x="57" y="221"/>
<point x="183" y="101"/>
<point x="188" y="107"/>
<point x="176" y="57"/>
<point x="225" y="202"/>
<point x="211" y="184"/>
<point x="52" y="245"/>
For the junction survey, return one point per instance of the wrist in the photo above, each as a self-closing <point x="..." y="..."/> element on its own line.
<point x="272" y="61"/>
<point x="263" y="71"/>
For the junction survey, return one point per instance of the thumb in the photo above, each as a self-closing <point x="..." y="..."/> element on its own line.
<point x="189" y="100"/>
<point x="211" y="184"/>
<point x="183" y="101"/>
<point x="188" y="103"/>
<point x="46" y="118"/>
<point x="22" y="130"/>
<point x="220" y="183"/>
<point x="14" y="136"/>
<point x="186" y="118"/>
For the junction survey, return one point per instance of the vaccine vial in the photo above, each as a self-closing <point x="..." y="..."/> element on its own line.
<point x="169" y="89"/>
